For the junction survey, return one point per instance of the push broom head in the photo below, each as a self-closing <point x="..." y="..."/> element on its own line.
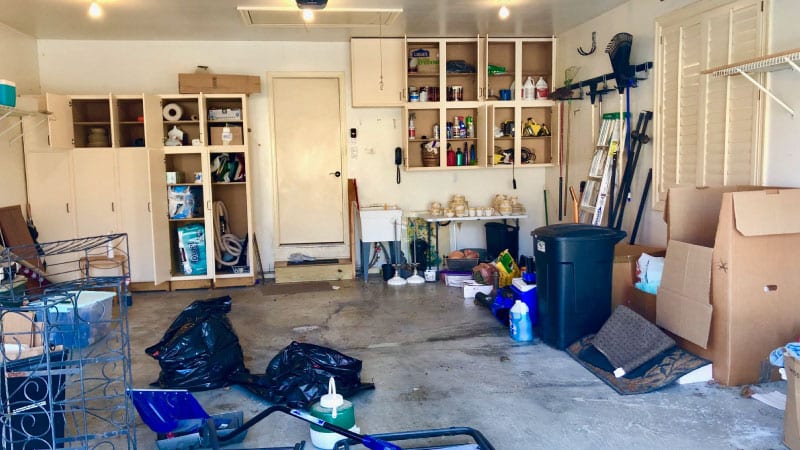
<point x="619" y="50"/>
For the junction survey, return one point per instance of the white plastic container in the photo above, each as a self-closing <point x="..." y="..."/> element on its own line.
<point x="542" y="90"/>
<point x="519" y="319"/>
<point x="528" y="90"/>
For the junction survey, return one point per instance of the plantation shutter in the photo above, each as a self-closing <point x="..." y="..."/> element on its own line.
<point x="708" y="129"/>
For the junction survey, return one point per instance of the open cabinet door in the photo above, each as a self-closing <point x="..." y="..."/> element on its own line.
<point x="157" y="169"/>
<point x="158" y="216"/>
<point x="60" y="124"/>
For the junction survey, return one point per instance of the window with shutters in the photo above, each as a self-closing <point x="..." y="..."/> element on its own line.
<point x="707" y="130"/>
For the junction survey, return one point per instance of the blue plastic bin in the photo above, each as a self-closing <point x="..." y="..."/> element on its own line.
<point x="93" y="321"/>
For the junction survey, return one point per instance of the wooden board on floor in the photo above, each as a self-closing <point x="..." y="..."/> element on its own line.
<point x="285" y="273"/>
<point x="148" y="286"/>
<point x="352" y="205"/>
<point x="177" y="285"/>
<point x="15" y="234"/>
<point x="234" y="282"/>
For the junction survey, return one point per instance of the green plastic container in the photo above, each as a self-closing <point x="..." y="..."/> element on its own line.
<point x="335" y="410"/>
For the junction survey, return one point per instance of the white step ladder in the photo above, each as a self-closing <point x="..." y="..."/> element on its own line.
<point x="598" y="185"/>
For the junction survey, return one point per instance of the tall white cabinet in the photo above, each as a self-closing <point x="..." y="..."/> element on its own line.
<point x="104" y="169"/>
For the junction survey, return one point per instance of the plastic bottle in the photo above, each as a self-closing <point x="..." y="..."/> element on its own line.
<point x="412" y="131"/>
<point x="462" y="128"/>
<point x="513" y="89"/>
<point x="334" y="409"/>
<point x="473" y="156"/>
<point x="541" y="89"/>
<point x="528" y="89"/>
<point x="451" y="156"/>
<point x="459" y="158"/>
<point x="519" y="323"/>
<point x="470" y="127"/>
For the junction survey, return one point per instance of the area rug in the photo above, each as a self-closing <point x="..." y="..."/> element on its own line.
<point x="657" y="373"/>
<point x="629" y="340"/>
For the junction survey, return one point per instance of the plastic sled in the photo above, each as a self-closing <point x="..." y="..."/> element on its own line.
<point x="181" y="423"/>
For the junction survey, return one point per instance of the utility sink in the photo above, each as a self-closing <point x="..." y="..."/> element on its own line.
<point x="378" y="223"/>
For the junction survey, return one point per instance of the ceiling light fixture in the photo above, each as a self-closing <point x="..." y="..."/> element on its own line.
<point x="503" y="12"/>
<point x="95" y="11"/>
<point x="308" y="15"/>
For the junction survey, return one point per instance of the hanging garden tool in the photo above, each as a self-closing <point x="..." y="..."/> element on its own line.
<point x="583" y="52"/>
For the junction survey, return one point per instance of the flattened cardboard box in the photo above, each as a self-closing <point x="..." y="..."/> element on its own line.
<point x="755" y="291"/>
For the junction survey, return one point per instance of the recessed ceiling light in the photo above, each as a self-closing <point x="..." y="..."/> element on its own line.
<point x="95" y="11"/>
<point x="308" y="15"/>
<point x="503" y="12"/>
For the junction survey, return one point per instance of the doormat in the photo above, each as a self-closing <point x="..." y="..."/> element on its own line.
<point x="313" y="262"/>
<point x="657" y="373"/>
<point x="295" y="288"/>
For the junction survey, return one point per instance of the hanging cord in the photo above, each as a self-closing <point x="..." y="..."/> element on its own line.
<point x="225" y="244"/>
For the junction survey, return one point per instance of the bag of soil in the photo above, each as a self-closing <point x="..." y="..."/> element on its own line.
<point x="298" y="375"/>
<point x="200" y="350"/>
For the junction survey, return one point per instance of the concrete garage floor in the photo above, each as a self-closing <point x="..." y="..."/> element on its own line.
<point x="438" y="360"/>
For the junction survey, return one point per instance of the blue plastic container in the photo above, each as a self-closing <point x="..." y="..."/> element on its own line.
<point x="92" y="323"/>
<point x="8" y="93"/>
<point x="519" y="322"/>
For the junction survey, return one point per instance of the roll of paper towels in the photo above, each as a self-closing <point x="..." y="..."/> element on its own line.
<point x="172" y="111"/>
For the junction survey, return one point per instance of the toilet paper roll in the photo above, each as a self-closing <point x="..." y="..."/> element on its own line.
<point x="172" y="111"/>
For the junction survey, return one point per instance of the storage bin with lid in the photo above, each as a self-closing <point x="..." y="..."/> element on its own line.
<point x="91" y="323"/>
<point x="573" y="280"/>
<point x="8" y="93"/>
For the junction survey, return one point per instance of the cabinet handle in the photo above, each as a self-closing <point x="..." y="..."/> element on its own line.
<point x="208" y="205"/>
<point x="402" y="94"/>
<point x="112" y="206"/>
<point x="67" y="204"/>
<point x="148" y="207"/>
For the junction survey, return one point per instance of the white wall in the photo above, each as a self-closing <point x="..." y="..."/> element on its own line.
<point x="20" y="65"/>
<point x="100" y="67"/>
<point x="782" y="151"/>
<point x="782" y="158"/>
<point x="637" y="18"/>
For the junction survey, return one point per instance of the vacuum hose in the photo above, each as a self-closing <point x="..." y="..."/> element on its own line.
<point x="227" y="247"/>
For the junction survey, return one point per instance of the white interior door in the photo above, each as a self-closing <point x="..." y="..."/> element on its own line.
<point x="307" y="115"/>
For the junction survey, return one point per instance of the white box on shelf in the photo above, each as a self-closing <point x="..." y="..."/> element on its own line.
<point x="225" y="114"/>
<point x="471" y="288"/>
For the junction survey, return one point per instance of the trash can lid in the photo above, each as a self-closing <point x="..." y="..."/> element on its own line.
<point x="578" y="231"/>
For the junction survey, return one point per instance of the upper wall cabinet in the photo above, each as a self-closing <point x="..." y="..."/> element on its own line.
<point x="378" y="71"/>
<point x="108" y="121"/>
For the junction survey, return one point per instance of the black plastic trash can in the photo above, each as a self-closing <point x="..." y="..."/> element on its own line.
<point x="499" y="237"/>
<point x="573" y="276"/>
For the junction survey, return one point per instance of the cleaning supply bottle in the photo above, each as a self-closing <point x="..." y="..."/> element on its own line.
<point x="519" y="322"/>
<point x="541" y="89"/>
<point x="412" y="129"/>
<point x="334" y="409"/>
<point x="459" y="157"/>
<point x="451" y="155"/>
<point x="528" y="89"/>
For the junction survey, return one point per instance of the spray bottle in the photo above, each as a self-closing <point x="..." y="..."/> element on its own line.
<point x="412" y="131"/>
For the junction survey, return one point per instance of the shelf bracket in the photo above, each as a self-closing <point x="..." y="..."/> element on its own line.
<point x="765" y="90"/>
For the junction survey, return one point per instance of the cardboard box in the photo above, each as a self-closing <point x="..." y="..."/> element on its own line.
<point x="791" y="417"/>
<point x="623" y="279"/>
<point x="236" y="135"/>
<point x="209" y="83"/>
<point x="730" y="288"/>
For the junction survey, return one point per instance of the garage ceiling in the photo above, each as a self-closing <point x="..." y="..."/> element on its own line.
<point x="209" y="20"/>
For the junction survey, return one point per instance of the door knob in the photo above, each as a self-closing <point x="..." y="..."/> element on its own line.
<point x="337" y="174"/>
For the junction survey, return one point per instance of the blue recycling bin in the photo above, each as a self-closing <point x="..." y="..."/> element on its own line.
<point x="573" y="280"/>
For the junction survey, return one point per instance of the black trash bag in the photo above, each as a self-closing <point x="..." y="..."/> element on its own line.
<point x="298" y="375"/>
<point x="200" y="350"/>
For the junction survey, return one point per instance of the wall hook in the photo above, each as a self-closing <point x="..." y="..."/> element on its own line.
<point x="583" y="52"/>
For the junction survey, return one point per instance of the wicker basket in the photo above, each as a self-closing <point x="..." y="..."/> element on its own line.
<point x="429" y="159"/>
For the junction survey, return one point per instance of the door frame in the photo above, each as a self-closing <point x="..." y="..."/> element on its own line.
<point x="320" y="250"/>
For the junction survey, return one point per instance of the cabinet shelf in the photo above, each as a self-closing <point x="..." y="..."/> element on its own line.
<point x="229" y="183"/>
<point x="92" y="123"/>
<point x="423" y="75"/>
<point x="190" y="219"/>
<point x="462" y="139"/>
<point x="537" y="137"/>
<point x="458" y="74"/>
<point x="131" y="122"/>
<point x="180" y="122"/>
<point x="225" y="121"/>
